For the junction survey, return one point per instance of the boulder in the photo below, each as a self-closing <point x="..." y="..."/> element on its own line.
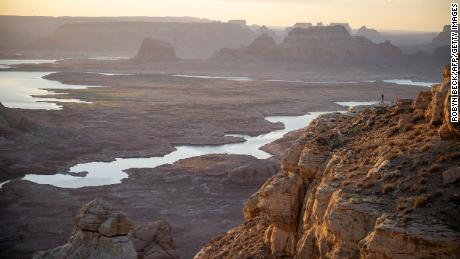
<point x="154" y="241"/>
<point x="103" y="233"/>
<point x="99" y="233"/>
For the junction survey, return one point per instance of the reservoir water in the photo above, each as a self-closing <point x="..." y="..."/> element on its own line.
<point x="17" y="89"/>
<point x="243" y="78"/>
<point x="104" y="173"/>
<point x="23" y="90"/>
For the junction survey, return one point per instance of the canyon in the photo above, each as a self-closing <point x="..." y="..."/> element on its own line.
<point x="377" y="182"/>
<point x="162" y="147"/>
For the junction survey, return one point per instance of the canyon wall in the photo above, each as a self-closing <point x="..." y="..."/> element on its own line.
<point x="376" y="182"/>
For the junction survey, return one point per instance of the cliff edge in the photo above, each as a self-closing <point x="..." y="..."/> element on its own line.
<point x="376" y="182"/>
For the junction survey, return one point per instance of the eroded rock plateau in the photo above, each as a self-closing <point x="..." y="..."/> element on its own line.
<point x="376" y="182"/>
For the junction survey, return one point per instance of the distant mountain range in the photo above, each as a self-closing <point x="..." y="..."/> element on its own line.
<point x="39" y="36"/>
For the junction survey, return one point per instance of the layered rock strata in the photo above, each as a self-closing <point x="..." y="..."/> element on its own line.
<point x="377" y="182"/>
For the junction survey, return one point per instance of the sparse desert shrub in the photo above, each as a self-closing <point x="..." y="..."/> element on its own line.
<point x="449" y="157"/>
<point x="346" y="183"/>
<point x="371" y="147"/>
<point x="391" y="132"/>
<point x="404" y="187"/>
<point x="389" y="187"/>
<point x="392" y="155"/>
<point x="424" y="174"/>
<point x="420" y="201"/>
<point x="434" y="168"/>
<point x="407" y="211"/>
<point x="408" y="127"/>
<point x="355" y="166"/>
<point x="425" y="147"/>
<point x="400" y="207"/>
<point x="417" y="117"/>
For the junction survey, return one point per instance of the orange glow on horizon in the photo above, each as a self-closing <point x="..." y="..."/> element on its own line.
<point x="417" y="15"/>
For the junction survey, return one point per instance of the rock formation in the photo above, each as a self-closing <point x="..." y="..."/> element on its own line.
<point x="12" y="124"/>
<point x="102" y="233"/>
<point x="253" y="174"/>
<point x="153" y="50"/>
<point x="263" y="46"/>
<point x="318" y="44"/>
<point x="154" y="240"/>
<point x="376" y="182"/>
<point x="438" y="110"/>
<point x="370" y="34"/>
<point x="443" y="38"/>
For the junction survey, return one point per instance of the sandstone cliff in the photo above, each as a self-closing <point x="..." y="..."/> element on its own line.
<point x="102" y="233"/>
<point x="152" y="50"/>
<point x="377" y="182"/>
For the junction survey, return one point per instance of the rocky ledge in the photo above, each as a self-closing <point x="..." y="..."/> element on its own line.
<point x="102" y="233"/>
<point x="376" y="182"/>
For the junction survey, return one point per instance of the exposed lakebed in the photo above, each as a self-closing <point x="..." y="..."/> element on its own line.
<point x="22" y="88"/>
<point x="105" y="173"/>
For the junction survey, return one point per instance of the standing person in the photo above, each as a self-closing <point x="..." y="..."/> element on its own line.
<point x="382" y="97"/>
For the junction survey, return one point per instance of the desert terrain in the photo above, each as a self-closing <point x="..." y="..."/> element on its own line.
<point x="166" y="111"/>
<point x="195" y="90"/>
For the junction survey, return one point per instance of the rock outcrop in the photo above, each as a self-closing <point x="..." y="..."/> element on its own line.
<point x="443" y="38"/>
<point x="438" y="109"/>
<point x="154" y="240"/>
<point x="153" y="50"/>
<point x="376" y="182"/>
<point x="323" y="44"/>
<point x="101" y="232"/>
<point x="370" y="34"/>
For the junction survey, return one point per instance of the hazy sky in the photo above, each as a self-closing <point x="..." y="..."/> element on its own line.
<point x="422" y="15"/>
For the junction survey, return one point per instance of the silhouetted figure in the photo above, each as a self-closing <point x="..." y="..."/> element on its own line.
<point x="383" y="97"/>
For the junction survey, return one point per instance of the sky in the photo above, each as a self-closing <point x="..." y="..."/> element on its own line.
<point x="416" y="15"/>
